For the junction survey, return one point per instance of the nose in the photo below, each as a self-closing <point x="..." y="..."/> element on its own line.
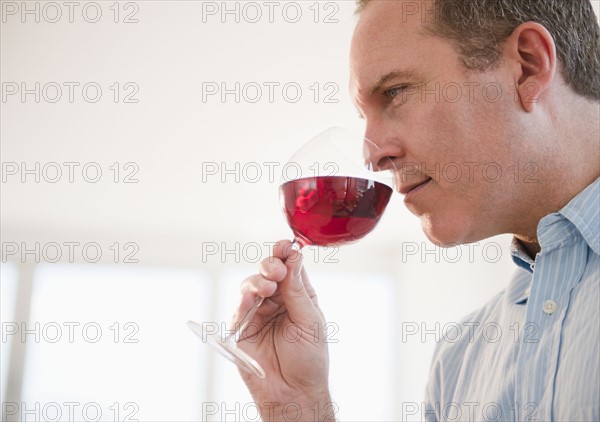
<point x="382" y="148"/>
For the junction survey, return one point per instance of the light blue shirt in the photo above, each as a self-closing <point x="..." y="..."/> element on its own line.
<point x="532" y="352"/>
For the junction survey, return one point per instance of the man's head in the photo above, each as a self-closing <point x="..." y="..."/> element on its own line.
<point x="478" y="28"/>
<point x="470" y="101"/>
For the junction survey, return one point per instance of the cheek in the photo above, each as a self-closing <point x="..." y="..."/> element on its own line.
<point x="446" y="131"/>
<point x="470" y="148"/>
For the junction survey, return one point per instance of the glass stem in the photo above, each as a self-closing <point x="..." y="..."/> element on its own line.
<point x="246" y="319"/>
<point x="249" y="315"/>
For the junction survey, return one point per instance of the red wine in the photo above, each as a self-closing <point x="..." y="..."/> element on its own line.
<point x="333" y="209"/>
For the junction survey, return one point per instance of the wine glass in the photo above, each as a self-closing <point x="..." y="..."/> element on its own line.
<point x="332" y="193"/>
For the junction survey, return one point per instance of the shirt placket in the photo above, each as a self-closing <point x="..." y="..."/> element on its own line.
<point x="547" y="307"/>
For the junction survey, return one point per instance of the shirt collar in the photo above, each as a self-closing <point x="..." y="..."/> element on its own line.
<point x="583" y="212"/>
<point x="523" y="261"/>
<point x="519" y="256"/>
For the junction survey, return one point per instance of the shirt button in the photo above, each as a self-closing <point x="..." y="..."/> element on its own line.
<point x="549" y="307"/>
<point x="527" y="292"/>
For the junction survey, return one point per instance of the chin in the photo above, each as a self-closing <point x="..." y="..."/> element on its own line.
<point x="447" y="232"/>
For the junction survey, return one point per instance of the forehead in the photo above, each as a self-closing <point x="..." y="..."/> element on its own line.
<point x="390" y="36"/>
<point x="404" y="15"/>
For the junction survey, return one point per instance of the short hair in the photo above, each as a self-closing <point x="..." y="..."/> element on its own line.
<point x="478" y="28"/>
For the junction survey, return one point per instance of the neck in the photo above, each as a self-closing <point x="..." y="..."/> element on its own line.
<point x="531" y="246"/>
<point x="578" y="167"/>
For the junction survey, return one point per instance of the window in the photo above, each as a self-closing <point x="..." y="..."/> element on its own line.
<point x="110" y="342"/>
<point x="8" y="298"/>
<point x="113" y="341"/>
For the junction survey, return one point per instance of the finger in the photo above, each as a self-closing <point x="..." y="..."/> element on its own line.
<point x="310" y="290"/>
<point x="295" y="296"/>
<point x="251" y="288"/>
<point x="266" y="312"/>
<point x="273" y="268"/>
<point x="284" y="249"/>
<point x="258" y="285"/>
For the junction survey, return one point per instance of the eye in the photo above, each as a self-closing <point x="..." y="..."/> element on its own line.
<point x="392" y="93"/>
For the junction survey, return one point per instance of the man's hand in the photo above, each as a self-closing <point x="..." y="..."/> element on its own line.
<point x="287" y="338"/>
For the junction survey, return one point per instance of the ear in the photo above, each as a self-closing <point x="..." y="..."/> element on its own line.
<point x="532" y="50"/>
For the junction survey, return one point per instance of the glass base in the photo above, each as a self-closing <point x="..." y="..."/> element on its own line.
<point x="229" y="349"/>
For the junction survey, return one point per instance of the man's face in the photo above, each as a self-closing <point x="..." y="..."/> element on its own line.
<point x="453" y="134"/>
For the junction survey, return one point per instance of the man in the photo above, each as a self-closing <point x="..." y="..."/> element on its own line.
<point x="472" y="82"/>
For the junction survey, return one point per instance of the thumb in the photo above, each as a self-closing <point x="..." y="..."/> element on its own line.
<point x="298" y="303"/>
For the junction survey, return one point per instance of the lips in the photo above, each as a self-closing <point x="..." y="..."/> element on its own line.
<point x="408" y="187"/>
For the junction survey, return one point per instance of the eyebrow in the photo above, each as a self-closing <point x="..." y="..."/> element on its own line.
<point x="395" y="74"/>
